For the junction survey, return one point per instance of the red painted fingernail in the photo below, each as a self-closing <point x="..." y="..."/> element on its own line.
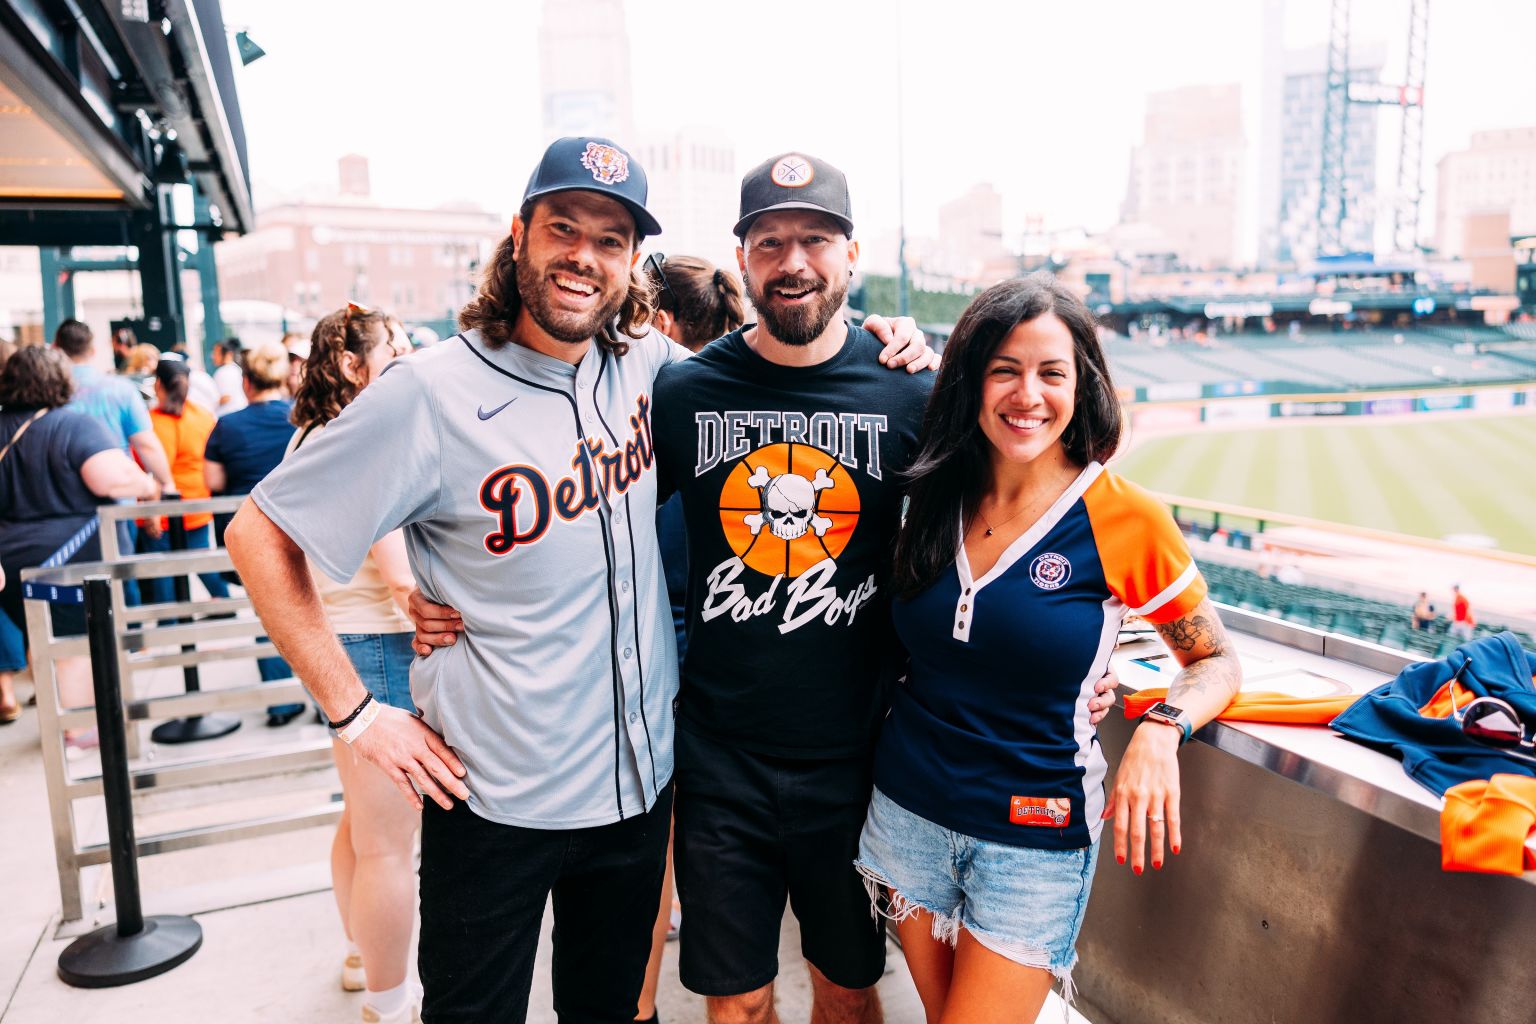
<point x="1119" y="858"/>
<point x="1175" y="849"/>
<point x="1158" y="865"/>
<point x="1137" y="869"/>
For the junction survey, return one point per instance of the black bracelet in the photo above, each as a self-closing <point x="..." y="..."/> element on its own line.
<point x="338" y="726"/>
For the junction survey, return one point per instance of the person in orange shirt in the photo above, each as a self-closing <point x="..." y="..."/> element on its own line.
<point x="183" y="428"/>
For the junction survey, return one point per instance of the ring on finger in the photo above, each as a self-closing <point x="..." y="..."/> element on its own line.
<point x="1154" y="817"/>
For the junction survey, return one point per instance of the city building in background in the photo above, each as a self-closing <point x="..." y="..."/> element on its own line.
<point x="584" y="70"/>
<point x="1495" y="173"/>
<point x="1288" y="230"/>
<point x="694" y="191"/>
<point x="1186" y="176"/>
<point x="970" y="244"/>
<point x="309" y="257"/>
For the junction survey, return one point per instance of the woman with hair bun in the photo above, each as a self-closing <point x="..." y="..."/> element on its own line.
<point x="696" y="302"/>
<point x="371" y="854"/>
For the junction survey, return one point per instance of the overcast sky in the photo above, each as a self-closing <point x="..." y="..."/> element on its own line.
<point x="1045" y="100"/>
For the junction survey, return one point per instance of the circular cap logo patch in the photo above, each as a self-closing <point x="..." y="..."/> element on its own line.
<point x="792" y="172"/>
<point x="1050" y="571"/>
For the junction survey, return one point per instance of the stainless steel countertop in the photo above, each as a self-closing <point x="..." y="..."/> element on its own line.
<point x="1284" y="657"/>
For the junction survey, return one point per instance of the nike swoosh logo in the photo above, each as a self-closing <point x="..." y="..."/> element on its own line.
<point x="487" y="415"/>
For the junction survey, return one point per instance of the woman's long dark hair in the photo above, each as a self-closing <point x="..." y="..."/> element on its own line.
<point x="953" y="464"/>
<point x="494" y="310"/>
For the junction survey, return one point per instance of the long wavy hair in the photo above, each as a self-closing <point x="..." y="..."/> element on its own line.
<point x="324" y="390"/>
<point x="952" y="469"/>
<point x="493" y="311"/>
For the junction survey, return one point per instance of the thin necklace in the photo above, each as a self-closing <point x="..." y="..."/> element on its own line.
<point x="993" y="529"/>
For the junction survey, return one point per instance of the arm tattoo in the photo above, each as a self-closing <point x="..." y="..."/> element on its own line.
<point x="1186" y="634"/>
<point x="1216" y="670"/>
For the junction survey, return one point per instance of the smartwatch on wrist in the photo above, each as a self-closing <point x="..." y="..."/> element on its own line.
<point x="1167" y="714"/>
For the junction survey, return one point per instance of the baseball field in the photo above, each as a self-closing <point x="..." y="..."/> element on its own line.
<point x="1431" y="478"/>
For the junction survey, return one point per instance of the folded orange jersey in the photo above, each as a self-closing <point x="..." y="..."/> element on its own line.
<point x="1277" y="708"/>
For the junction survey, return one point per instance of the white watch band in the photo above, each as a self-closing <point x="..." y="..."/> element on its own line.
<point x="360" y="724"/>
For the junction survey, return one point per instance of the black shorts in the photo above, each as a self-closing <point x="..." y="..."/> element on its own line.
<point x="484" y="886"/>
<point x="752" y="830"/>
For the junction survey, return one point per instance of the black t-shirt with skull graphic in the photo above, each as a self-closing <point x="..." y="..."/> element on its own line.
<point x="791" y="484"/>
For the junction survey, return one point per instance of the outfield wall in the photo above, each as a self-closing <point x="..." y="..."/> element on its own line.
<point x="1190" y="412"/>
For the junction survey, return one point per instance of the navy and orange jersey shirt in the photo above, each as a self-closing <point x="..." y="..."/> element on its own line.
<point x="990" y="735"/>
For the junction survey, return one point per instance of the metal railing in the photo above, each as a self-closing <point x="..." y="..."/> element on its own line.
<point x="139" y="643"/>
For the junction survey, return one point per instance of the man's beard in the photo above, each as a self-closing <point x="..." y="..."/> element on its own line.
<point x="533" y="287"/>
<point x="798" y="325"/>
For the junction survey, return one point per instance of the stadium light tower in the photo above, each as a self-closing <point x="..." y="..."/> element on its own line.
<point x="1340" y="92"/>
<point x="1410" y="150"/>
<point x="1331" y="202"/>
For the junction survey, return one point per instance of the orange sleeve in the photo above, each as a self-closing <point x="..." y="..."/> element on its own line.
<point x="1146" y="563"/>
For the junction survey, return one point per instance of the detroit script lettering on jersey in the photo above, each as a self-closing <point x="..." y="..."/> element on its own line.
<point x="525" y="504"/>
<point x="789" y="506"/>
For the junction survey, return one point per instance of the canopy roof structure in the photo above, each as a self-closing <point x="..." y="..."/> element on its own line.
<point x="101" y="102"/>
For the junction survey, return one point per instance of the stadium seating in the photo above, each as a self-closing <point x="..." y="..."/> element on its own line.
<point x="1382" y="622"/>
<point x="1329" y="361"/>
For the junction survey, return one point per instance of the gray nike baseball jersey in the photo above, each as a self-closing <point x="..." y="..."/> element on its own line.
<point x="527" y="492"/>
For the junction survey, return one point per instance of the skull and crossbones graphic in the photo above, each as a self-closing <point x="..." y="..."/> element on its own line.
<point x="788" y="504"/>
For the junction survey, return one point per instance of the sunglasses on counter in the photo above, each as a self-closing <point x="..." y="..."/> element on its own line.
<point x="1493" y="722"/>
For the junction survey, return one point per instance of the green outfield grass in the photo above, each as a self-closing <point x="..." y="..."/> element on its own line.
<point x="1429" y="479"/>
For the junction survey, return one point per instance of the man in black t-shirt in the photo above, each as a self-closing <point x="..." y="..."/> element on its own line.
<point x="787" y="441"/>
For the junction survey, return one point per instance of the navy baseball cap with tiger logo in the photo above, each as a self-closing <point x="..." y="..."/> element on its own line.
<point x="594" y="165"/>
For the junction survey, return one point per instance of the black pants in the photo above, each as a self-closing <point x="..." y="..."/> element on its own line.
<point x="483" y="891"/>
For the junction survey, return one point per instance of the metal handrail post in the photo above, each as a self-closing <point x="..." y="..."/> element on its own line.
<point x="55" y="767"/>
<point x="197" y="727"/>
<point x="134" y="948"/>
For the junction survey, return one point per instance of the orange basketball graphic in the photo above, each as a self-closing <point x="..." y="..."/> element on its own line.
<point x="786" y="507"/>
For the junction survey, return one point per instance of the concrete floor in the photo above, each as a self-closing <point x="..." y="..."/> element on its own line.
<point x="271" y="947"/>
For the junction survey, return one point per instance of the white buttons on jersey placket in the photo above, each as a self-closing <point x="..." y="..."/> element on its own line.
<point x="612" y="509"/>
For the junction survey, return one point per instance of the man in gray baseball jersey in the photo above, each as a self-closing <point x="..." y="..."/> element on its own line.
<point x="518" y="459"/>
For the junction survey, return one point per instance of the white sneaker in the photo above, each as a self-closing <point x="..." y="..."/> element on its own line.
<point x="352" y="977"/>
<point x="410" y="1013"/>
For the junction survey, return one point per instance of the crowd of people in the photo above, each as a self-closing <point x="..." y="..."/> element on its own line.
<point x="77" y="436"/>
<point x="613" y="586"/>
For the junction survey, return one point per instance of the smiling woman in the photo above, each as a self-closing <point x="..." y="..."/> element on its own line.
<point x="1019" y="556"/>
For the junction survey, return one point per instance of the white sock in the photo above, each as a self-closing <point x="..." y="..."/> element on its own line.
<point x="352" y="949"/>
<point x="391" y="1000"/>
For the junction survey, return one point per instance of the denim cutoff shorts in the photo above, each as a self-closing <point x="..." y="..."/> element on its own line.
<point x="383" y="662"/>
<point x="1022" y="903"/>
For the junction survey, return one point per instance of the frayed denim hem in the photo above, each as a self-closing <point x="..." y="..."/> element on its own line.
<point x="946" y="929"/>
